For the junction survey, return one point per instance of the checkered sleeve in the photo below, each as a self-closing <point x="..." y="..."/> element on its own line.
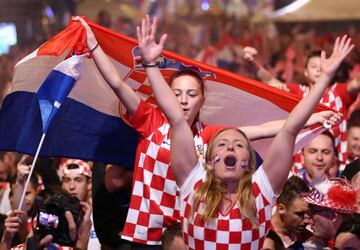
<point x="341" y="90"/>
<point x="146" y="119"/>
<point x="262" y="181"/>
<point x="195" y="175"/>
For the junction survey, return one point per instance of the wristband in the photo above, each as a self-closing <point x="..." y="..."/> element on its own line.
<point x="97" y="45"/>
<point x="149" y="65"/>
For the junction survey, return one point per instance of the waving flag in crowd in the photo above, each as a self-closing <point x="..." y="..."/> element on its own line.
<point x="89" y="125"/>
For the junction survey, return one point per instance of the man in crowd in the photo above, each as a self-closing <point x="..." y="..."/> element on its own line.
<point x="331" y="202"/>
<point x="76" y="180"/>
<point x="320" y="158"/>
<point x="289" y="222"/>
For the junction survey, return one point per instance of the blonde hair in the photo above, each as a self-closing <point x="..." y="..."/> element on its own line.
<point x="211" y="191"/>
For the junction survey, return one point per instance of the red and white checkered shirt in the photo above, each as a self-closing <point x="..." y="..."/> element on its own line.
<point x="226" y="231"/>
<point x="155" y="199"/>
<point x="336" y="97"/>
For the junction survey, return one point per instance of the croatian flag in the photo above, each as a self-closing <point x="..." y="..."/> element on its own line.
<point x="90" y="125"/>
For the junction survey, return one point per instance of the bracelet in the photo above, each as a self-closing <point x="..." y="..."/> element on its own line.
<point x="149" y="65"/>
<point x="97" y="45"/>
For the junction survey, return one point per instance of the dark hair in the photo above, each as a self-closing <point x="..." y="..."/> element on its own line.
<point x="169" y="234"/>
<point x="350" y="226"/>
<point x="193" y="73"/>
<point x="354" y="119"/>
<point x="73" y="166"/>
<point x="328" y="134"/>
<point x="332" y="138"/>
<point x="312" y="54"/>
<point x="293" y="188"/>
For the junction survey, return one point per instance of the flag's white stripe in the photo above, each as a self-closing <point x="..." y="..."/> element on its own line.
<point x="219" y="107"/>
<point x="72" y="66"/>
<point x="26" y="79"/>
<point x="28" y="57"/>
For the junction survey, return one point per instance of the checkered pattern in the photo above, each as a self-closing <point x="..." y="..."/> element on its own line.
<point x="325" y="198"/>
<point x="83" y="169"/>
<point x="230" y="231"/>
<point x="155" y="199"/>
<point x="337" y="98"/>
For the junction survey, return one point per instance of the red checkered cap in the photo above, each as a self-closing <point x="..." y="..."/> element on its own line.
<point x="336" y="194"/>
<point x="83" y="169"/>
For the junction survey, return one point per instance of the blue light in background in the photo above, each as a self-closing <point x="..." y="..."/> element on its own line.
<point x="8" y="36"/>
<point x="205" y="5"/>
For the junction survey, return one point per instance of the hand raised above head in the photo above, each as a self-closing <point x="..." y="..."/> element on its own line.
<point x="90" y="37"/>
<point x="149" y="49"/>
<point x="342" y="48"/>
<point x="249" y="54"/>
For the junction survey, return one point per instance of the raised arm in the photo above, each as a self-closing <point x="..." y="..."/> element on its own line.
<point x="270" y="129"/>
<point x="249" y="54"/>
<point x="278" y="160"/>
<point x="108" y="71"/>
<point x="183" y="155"/>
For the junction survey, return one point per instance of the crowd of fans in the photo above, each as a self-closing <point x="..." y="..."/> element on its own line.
<point x="95" y="219"/>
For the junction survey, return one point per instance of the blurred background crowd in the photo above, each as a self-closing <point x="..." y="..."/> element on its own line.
<point x="211" y="31"/>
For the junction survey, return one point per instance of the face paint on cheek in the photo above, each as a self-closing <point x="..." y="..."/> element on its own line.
<point x="215" y="160"/>
<point x="244" y="165"/>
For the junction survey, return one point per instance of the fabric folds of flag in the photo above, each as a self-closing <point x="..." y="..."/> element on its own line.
<point x="89" y="125"/>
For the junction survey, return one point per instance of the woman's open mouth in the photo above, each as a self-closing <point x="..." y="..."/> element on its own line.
<point x="230" y="161"/>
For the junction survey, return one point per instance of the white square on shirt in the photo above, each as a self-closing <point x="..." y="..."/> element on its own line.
<point x="153" y="150"/>
<point x="147" y="177"/>
<point x="156" y="195"/>
<point x="141" y="160"/>
<point x="199" y="232"/>
<point x="167" y="210"/>
<point x="140" y="232"/>
<point x="161" y="169"/>
<point x="138" y="188"/>
<point x="145" y="204"/>
<point x="222" y="236"/>
<point x="156" y="218"/>
<point x="246" y="236"/>
<point x="135" y="214"/>
<point x="235" y="225"/>
<point x="209" y="245"/>
<point x="171" y="183"/>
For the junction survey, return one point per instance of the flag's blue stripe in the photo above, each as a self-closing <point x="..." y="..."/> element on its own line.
<point x="56" y="87"/>
<point x="77" y="131"/>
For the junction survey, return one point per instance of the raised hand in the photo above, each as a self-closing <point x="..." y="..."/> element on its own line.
<point x="327" y="118"/>
<point x="149" y="49"/>
<point x="249" y="54"/>
<point x="90" y="37"/>
<point x="341" y="49"/>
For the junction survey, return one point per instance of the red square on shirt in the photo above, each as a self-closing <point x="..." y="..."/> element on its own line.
<point x="157" y="182"/>
<point x="223" y="225"/>
<point x="210" y="235"/>
<point x="168" y="200"/>
<point x="143" y="219"/>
